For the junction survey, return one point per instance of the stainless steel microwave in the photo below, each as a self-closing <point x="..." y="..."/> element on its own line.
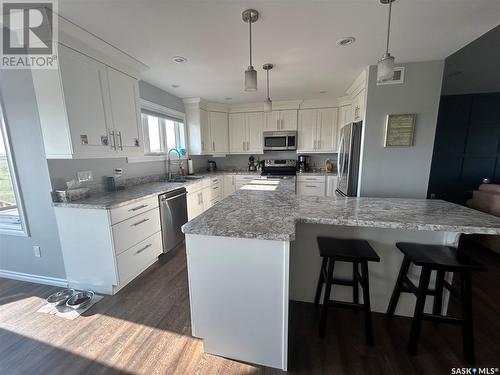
<point x="279" y="141"/>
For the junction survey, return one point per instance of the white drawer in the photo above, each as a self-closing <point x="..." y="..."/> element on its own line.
<point x="215" y="192"/>
<point x="132" y="231"/>
<point x="136" y="259"/>
<point x="245" y="178"/>
<point x="216" y="180"/>
<point x="136" y="208"/>
<point x="196" y="186"/>
<point x="311" y="188"/>
<point x="305" y="178"/>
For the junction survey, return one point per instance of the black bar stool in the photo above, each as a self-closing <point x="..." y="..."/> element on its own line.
<point x="441" y="259"/>
<point x="357" y="252"/>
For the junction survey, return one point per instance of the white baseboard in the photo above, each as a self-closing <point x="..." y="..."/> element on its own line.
<point x="54" y="281"/>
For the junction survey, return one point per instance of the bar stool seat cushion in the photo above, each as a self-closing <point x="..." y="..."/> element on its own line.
<point x="346" y="249"/>
<point x="438" y="256"/>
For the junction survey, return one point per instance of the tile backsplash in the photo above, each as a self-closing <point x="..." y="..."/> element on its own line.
<point x="62" y="170"/>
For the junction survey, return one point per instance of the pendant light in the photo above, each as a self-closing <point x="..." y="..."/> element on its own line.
<point x="268" y="104"/>
<point x="385" y="66"/>
<point x="250" y="16"/>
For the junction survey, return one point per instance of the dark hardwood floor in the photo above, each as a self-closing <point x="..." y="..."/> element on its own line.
<point x="145" y="329"/>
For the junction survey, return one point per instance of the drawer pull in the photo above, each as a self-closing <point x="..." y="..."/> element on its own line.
<point x="311" y="186"/>
<point x="139" y="222"/>
<point x="215" y="187"/>
<point x="138" y="207"/>
<point x="144" y="248"/>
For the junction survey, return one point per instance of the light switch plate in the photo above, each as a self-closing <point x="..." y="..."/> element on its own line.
<point x="84" y="176"/>
<point x="37" y="251"/>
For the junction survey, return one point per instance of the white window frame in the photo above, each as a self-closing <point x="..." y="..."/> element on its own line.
<point x="153" y="107"/>
<point x="20" y="228"/>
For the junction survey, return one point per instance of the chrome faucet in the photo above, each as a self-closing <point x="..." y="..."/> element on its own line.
<point x="169" y="174"/>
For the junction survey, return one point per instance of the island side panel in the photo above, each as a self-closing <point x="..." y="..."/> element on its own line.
<point x="305" y="263"/>
<point x="238" y="291"/>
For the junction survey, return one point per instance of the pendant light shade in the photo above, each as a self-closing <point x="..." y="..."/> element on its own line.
<point x="268" y="104"/>
<point x="250" y="16"/>
<point x="385" y="66"/>
<point x="250" y="79"/>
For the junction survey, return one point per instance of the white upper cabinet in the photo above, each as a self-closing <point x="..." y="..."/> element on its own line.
<point x="281" y="120"/>
<point x="255" y="123"/>
<point x="87" y="109"/>
<point x="198" y="129"/>
<point x="237" y="133"/>
<point x="317" y="130"/>
<point x="245" y="133"/>
<point x="124" y="97"/>
<point x="219" y="133"/>
<point x="307" y="130"/>
<point x="327" y="130"/>
<point x="345" y="116"/>
<point x="358" y="106"/>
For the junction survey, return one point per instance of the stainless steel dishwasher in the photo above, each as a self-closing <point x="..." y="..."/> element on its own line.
<point x="173" y="214"/>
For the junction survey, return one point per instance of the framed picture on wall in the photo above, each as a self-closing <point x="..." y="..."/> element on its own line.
<point x="400" y="130"/>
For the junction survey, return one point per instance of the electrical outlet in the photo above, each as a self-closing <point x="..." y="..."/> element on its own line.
<point x="84" y="176"/>
<point x="37" y="251"/>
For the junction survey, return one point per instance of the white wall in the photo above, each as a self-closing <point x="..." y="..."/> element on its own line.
<point x="16" y="253"/>
<point x="403" y="171"/>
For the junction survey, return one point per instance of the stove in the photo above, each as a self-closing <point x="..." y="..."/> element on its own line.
<point x="279" y="168"/>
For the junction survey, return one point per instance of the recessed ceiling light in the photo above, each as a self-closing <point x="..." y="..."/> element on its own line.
<point x="228" y="98"/>
<point x="175" y="86"/>
<point x="179" y="59"/>
<point x="346" y="41"/>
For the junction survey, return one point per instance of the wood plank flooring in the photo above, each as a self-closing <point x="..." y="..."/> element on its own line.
<point x="145" y="329"/>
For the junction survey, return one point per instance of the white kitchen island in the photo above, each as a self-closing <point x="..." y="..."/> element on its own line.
<point x="253" y="252"/>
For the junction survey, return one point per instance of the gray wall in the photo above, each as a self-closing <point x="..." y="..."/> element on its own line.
<point x="158" y="96"/>
<point x="475" y="68"/>
<point x="16" y="253"/>
<point x="402" y="171"/>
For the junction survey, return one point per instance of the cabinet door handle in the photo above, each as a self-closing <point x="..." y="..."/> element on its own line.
<point x="202" y="146"/>
<point x="144" y="248"/>
<point x="319" y="144"/>
<point x="213" y="145"/>
<point x="139" y="222"/>
<point x="138" y="207"/>
<point x="120" y="139"/>
<point x="112" y="137"/>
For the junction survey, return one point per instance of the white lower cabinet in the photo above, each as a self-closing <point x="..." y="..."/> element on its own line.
<point x="204" y="194"/>
<point x="103" y="250"/>
<point x="319" y="186"/>
<point x="134" y="260"/>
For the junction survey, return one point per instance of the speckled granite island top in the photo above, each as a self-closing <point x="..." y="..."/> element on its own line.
<point x="272" y="215"/>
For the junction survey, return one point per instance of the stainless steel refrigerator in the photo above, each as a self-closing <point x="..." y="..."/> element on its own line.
<point x="348" y="159"/>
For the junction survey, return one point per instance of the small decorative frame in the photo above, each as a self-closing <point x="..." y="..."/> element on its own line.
<point x="400" y="130"/>
<point x="399" y="77"/>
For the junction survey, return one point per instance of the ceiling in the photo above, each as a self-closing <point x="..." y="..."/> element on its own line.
<point x="298" y="36"/>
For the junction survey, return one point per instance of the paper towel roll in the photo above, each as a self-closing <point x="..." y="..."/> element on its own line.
<point x="190" y="166"/>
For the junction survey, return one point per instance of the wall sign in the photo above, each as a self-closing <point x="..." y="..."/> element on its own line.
<point x="399" y="130"/>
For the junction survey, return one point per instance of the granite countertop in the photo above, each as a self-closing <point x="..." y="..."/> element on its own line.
<point x="131" y="194"/>
<point x="272" y="215"/>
